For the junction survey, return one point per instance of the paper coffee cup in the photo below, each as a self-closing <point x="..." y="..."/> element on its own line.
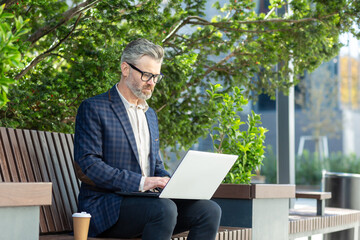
<point x="81" y="222"/>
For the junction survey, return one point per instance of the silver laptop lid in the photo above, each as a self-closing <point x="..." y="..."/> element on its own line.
<point x="198" y="175"/>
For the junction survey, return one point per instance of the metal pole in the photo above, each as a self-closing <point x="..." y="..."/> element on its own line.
<point x="285" y="125"/>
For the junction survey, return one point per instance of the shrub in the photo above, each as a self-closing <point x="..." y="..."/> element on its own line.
<point x="228" y="137"/>
<point x="308" y="167"/>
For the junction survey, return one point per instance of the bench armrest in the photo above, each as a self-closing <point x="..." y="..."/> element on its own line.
<point x="320" y="199"/>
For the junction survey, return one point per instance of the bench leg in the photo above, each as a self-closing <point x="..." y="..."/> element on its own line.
<point x="320" y="207"/>
<point x="356" y="232"/>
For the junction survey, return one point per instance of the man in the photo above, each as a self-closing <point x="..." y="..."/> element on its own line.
<point x="117" y="149"/>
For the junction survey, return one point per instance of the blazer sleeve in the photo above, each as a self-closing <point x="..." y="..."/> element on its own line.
<point x="88" y="153"/>
<point x="159" y="168"/>
<point x="159" y="164"/>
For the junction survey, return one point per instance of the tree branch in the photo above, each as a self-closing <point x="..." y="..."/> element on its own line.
<point x="223" y="25"/>
<point x="66" y="16"/>
<point x="221" y="62"/>
<point x="180" y="25"/>
<point x="37" y="59"/>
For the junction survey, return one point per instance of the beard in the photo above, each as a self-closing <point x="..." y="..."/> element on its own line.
<point x="137" y="90"/>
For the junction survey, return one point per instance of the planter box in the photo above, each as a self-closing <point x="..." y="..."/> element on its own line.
<point x="262" y="207"/>
<point x="20" y="209"/>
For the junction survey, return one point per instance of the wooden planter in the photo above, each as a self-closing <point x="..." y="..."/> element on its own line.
<point x="262" y="207"/>
<point x="20" y="209"/>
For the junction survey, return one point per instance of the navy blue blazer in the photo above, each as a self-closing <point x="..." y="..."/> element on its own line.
<point x="106" y="157"/>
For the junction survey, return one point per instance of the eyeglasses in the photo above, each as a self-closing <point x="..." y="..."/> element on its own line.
<point x="145" y="76"/>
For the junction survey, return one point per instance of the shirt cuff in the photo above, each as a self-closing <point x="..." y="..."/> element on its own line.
<point x="142" y="182"/>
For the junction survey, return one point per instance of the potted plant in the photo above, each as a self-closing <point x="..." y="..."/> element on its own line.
<point x="244" y="204"/>
<point x="229" y="136"/>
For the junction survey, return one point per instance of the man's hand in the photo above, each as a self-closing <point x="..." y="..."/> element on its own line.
<point x="154" y="182"/>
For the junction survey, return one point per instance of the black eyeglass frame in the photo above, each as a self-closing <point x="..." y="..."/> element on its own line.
<point x="156" y="77"/>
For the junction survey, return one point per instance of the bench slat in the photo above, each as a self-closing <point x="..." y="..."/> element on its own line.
<point x="55" y="174"/>
<point x="16" y="158"/>
<point x="29" y="171"/>
<point x="32" y="156"/>
<point x="68" y="160"/>
<point x="59" y="210"/>
<point x="4" y="173"/>
<point x="70" y="138"/>
<point x="70" y="142"/>
<point x="45" y="224"/>
<point x="63" y="171"/>
<point x="51" y="216"/>
<point x="9" y="162"/>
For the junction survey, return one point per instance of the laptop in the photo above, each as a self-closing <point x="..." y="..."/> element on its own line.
<point x="197" y="176"/>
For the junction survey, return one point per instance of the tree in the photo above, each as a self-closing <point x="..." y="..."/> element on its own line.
<point x="9" y="50"/>
<point x="320" y="102"/>
<point x="321" y="106"/>
<point x="72" y="52"/>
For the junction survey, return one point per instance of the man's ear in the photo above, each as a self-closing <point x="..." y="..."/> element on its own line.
<point x="125" y="69"/>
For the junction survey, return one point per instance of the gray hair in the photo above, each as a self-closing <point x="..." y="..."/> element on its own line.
<point x="139" y="48"/>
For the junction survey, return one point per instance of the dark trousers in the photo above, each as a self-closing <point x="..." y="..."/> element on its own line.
<point x="159" y="219"/>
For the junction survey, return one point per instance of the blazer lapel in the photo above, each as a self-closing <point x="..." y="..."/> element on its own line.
<point x="120" y="111"/>
<point x="151" y="122"/>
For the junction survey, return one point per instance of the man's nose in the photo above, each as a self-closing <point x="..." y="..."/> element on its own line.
<point x="151" y="81"/>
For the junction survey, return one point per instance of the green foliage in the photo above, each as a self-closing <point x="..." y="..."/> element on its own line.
<point x="269" y="167"/>
<point x="337" y="162"/>
<point x="228" y="137"/>
<point x="308" y="167"/>
<point x="70" y="57"/>
<point x="11" y="29"/>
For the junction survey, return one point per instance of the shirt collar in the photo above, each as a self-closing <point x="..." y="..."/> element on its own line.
<point x="142" y="103"/>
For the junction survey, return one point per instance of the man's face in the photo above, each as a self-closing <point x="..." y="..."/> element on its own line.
<point x="139" y="88"/>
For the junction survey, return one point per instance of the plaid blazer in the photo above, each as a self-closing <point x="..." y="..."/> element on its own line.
<point x="106" y="157"/>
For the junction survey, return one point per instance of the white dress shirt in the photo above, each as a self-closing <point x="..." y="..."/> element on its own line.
<point x="142" y="135"/>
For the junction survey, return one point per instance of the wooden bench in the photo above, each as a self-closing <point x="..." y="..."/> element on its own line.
<point x="305" y="222"/>
<point x="320" y="220"/>
<point x="320" y="198"/>
<point x="225" y="233"/>
<point x="38" y="156"/>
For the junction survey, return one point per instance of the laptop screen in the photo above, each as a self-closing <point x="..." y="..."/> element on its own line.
<point x="198" y="175"/>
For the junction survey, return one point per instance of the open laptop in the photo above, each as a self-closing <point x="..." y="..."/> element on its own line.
<point x="197" y="177"/>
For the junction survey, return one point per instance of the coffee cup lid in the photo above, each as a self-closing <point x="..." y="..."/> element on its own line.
<point x="82" y="214"/>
